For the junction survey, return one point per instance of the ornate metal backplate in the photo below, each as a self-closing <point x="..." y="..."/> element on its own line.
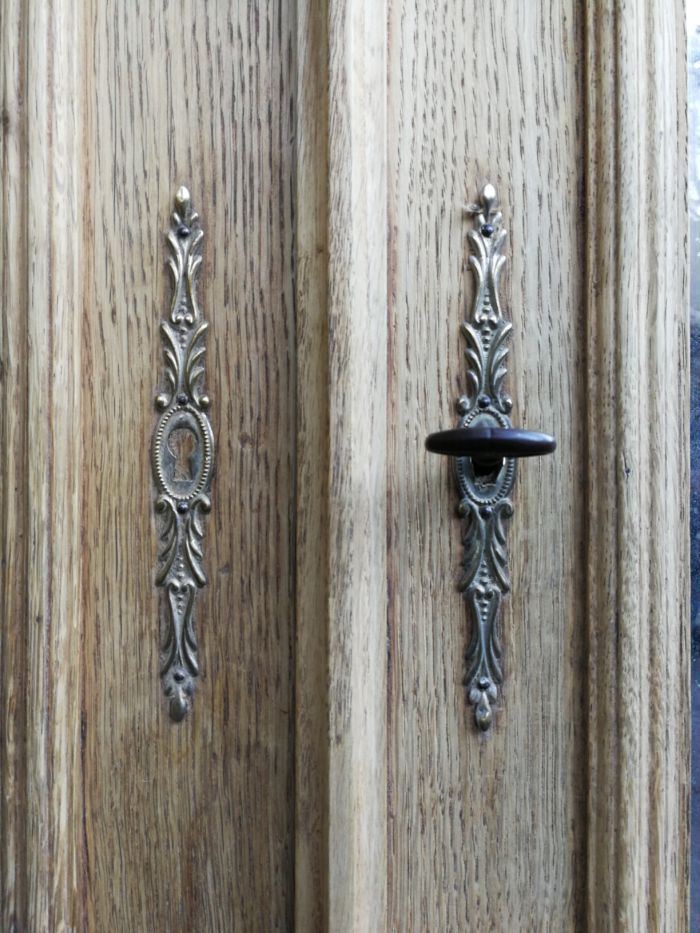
<point x="182" y="455"/>
<point x="484" y="489"/>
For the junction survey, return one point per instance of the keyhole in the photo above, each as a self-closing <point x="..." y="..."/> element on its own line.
<point x="486" y="471"/>
<point x="182" y="444"/>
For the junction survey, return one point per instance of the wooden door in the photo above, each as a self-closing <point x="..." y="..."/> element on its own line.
<point x="329" y="775"/>
<point x="114" y="817"/>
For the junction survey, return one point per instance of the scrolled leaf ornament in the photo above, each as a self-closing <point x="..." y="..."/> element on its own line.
<point x="182" y="456"/>
<point x="484" y="490"/>
<point x="485" y="446"/>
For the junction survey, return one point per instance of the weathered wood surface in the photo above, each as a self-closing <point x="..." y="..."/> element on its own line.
<point x="486" y="832"/>
<point x="332" y="636"/>
<point x="573" y="814"/>
<point x="636" y="222"/>
<point x="311" y="894"/>
<point x="113" y="817"/>
<point x="341" y="528"/>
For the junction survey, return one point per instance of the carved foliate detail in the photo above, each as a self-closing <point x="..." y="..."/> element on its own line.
<point x="182" y="456"/>
<point x="484" y="489"/>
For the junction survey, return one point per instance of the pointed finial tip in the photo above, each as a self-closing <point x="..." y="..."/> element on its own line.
<point x="182" y="198"/>
<point x="488" y="194"/>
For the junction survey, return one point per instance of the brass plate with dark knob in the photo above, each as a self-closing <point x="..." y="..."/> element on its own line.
<point x="485" y="447"/>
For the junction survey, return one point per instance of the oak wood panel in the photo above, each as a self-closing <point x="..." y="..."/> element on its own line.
<point x="42" y="464"/>
<point x="124" y="820"/>
<point x="357" y="450"/>
<point x="638" y="480"/>
<point x="312" y="699"/>
<point x="111" y="816"/>
<point x="486" y="831"/>
<point x="14" y="359"/>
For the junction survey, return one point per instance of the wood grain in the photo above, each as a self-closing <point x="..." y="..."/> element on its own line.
<point x="312" y="699"/>
<point x="341" y="538"/>
<point x="638" y="481"/>
<point x="42" y="465"/>
<point x="486" y="832"/>
<point x="126" y="821"/>
<point x="358" y="410"/>
<point x="14" y="357"/>
<point x="329" y="776"/>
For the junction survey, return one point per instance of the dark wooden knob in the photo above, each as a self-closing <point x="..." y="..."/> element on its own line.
<point x="488" y="445"/>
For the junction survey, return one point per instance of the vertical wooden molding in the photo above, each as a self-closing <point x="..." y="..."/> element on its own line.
<point x="638" y="482"/>
<point x="13" y="446"/>
<point x="342" y="326"/>
<point x="42" y="464"/>
<point x="312" y="452"/>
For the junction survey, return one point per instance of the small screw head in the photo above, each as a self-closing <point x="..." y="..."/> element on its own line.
<point x="487" y="230"/>
<point x="484" y="683"/>
<point x="183" y="231"/>
<point x="182" y="506"/>
<point x="182" y="399"/>
<point x="484" y="401"/>
<point x="486" y="511"/>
